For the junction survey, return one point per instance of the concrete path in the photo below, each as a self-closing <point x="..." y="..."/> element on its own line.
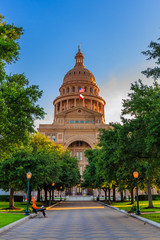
<point x="82" y="220"/>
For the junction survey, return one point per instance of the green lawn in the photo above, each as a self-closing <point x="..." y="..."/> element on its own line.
<point x="154" y="217"/>
<point x="142" y="205"/>
<point x="7" y="218"/>
<point x="21" y="205"/>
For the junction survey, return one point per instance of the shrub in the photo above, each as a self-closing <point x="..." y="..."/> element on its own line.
<point x="145" y="197"/>
<point x="5" y="198"/>
<point x="133" y="208"/>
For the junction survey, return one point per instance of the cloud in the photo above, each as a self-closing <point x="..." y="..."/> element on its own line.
<point x="117" y="88"/>
<point x="114" y="88"/>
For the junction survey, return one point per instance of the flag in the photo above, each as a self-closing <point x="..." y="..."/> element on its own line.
<point x="81" y="90"/>
<point x="81" y="96"/>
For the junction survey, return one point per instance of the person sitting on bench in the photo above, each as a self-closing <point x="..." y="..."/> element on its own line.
<point x="36" y="209"/>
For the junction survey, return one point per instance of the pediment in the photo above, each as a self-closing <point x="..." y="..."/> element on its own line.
<point x="81" y="111"/>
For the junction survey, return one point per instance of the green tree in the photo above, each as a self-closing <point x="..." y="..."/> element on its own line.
<point x="153" y="53"/>
<point x="21" y="109"/>
<point x="9" y="46"/>
<point x="69" y="171"/>
<point x="142" y="105"/>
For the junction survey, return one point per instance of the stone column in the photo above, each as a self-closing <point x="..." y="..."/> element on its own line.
<point x="67" y="104"/>
<point x="54" y="111"/>
<point x="61" y="106"/>
<point x="97" y="106"/>
<point x="91" y="105"/>
<point x="75" y="102"/>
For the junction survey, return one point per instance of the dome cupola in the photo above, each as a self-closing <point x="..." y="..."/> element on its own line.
<point x="79" y="74"/>
<point x="79" y="58"/>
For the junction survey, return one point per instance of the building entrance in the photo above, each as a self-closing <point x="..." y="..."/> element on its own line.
<point x="77" y="149"/>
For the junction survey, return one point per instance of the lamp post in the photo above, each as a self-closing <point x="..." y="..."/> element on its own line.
<point x="136" y="174"/>
<point x="29" y="175"/>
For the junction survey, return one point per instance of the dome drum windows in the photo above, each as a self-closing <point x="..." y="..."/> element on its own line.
<point x="73" y="89"/>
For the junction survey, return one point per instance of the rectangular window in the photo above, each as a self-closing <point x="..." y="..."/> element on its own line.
<point x="77" y="155"/>
<point x="80" y="156"/>
<point x="53" y="138"/>
<point x="81" y="171"/>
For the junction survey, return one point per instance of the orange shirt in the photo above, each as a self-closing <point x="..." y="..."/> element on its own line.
<point x="34" y="204"/>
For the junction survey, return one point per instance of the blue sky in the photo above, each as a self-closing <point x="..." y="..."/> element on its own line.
<point x="112" y="35"/>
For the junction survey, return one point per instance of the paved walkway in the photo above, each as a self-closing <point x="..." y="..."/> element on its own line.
<point x="82" y="220"/>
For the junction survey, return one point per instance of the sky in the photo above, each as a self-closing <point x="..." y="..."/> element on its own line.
<point x="112" y="35"/>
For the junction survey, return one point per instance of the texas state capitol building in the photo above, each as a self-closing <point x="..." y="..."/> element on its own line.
<point x="76" y="122"/>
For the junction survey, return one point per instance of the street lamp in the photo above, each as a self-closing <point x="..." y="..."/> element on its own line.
<point x="29" y="175"/>
<point x="136" y="174"/>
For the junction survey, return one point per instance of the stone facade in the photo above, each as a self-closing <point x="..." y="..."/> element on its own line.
<point x="77" y="122"/>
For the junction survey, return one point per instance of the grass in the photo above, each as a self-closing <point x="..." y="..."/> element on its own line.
<point x="20" y="205"/>
<point x="143" y="209"/>
<point x="153" y="216"/>
<point x="142" y="205"/>
<point x="7" y="218"/>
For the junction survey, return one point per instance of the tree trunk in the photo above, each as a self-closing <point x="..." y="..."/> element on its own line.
<point x="11" y="198"/>
<point x="149" y="193"/>
<point x="132" y="196"/>
<point x="122" y="199"/>
<point x="105" y="192"/>
<point x="114" y="194"/>
<point x="38" y="195"/>
<point x="53" y="195"/>
<point x="45" y="191"/>
<point x="49" y="197"/>
<point x="109" y="195"/>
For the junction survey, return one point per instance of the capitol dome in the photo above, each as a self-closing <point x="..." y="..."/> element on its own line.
<point x="79" y="73"/>
<point x="79" y="78"/>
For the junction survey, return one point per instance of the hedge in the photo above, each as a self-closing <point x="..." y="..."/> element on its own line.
<point x="145" y="197"/>
<point x="5" y="198"/>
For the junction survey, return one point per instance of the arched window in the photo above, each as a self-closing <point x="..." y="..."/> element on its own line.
<point x="67" y="90"/>
<point x="91" y="90"/>
<point x="73" y="89"/>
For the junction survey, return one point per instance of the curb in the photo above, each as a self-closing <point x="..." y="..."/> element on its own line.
<point x="52" y="206"/>
<point x="145" y="220"/>
<point x="3" y="229"/>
